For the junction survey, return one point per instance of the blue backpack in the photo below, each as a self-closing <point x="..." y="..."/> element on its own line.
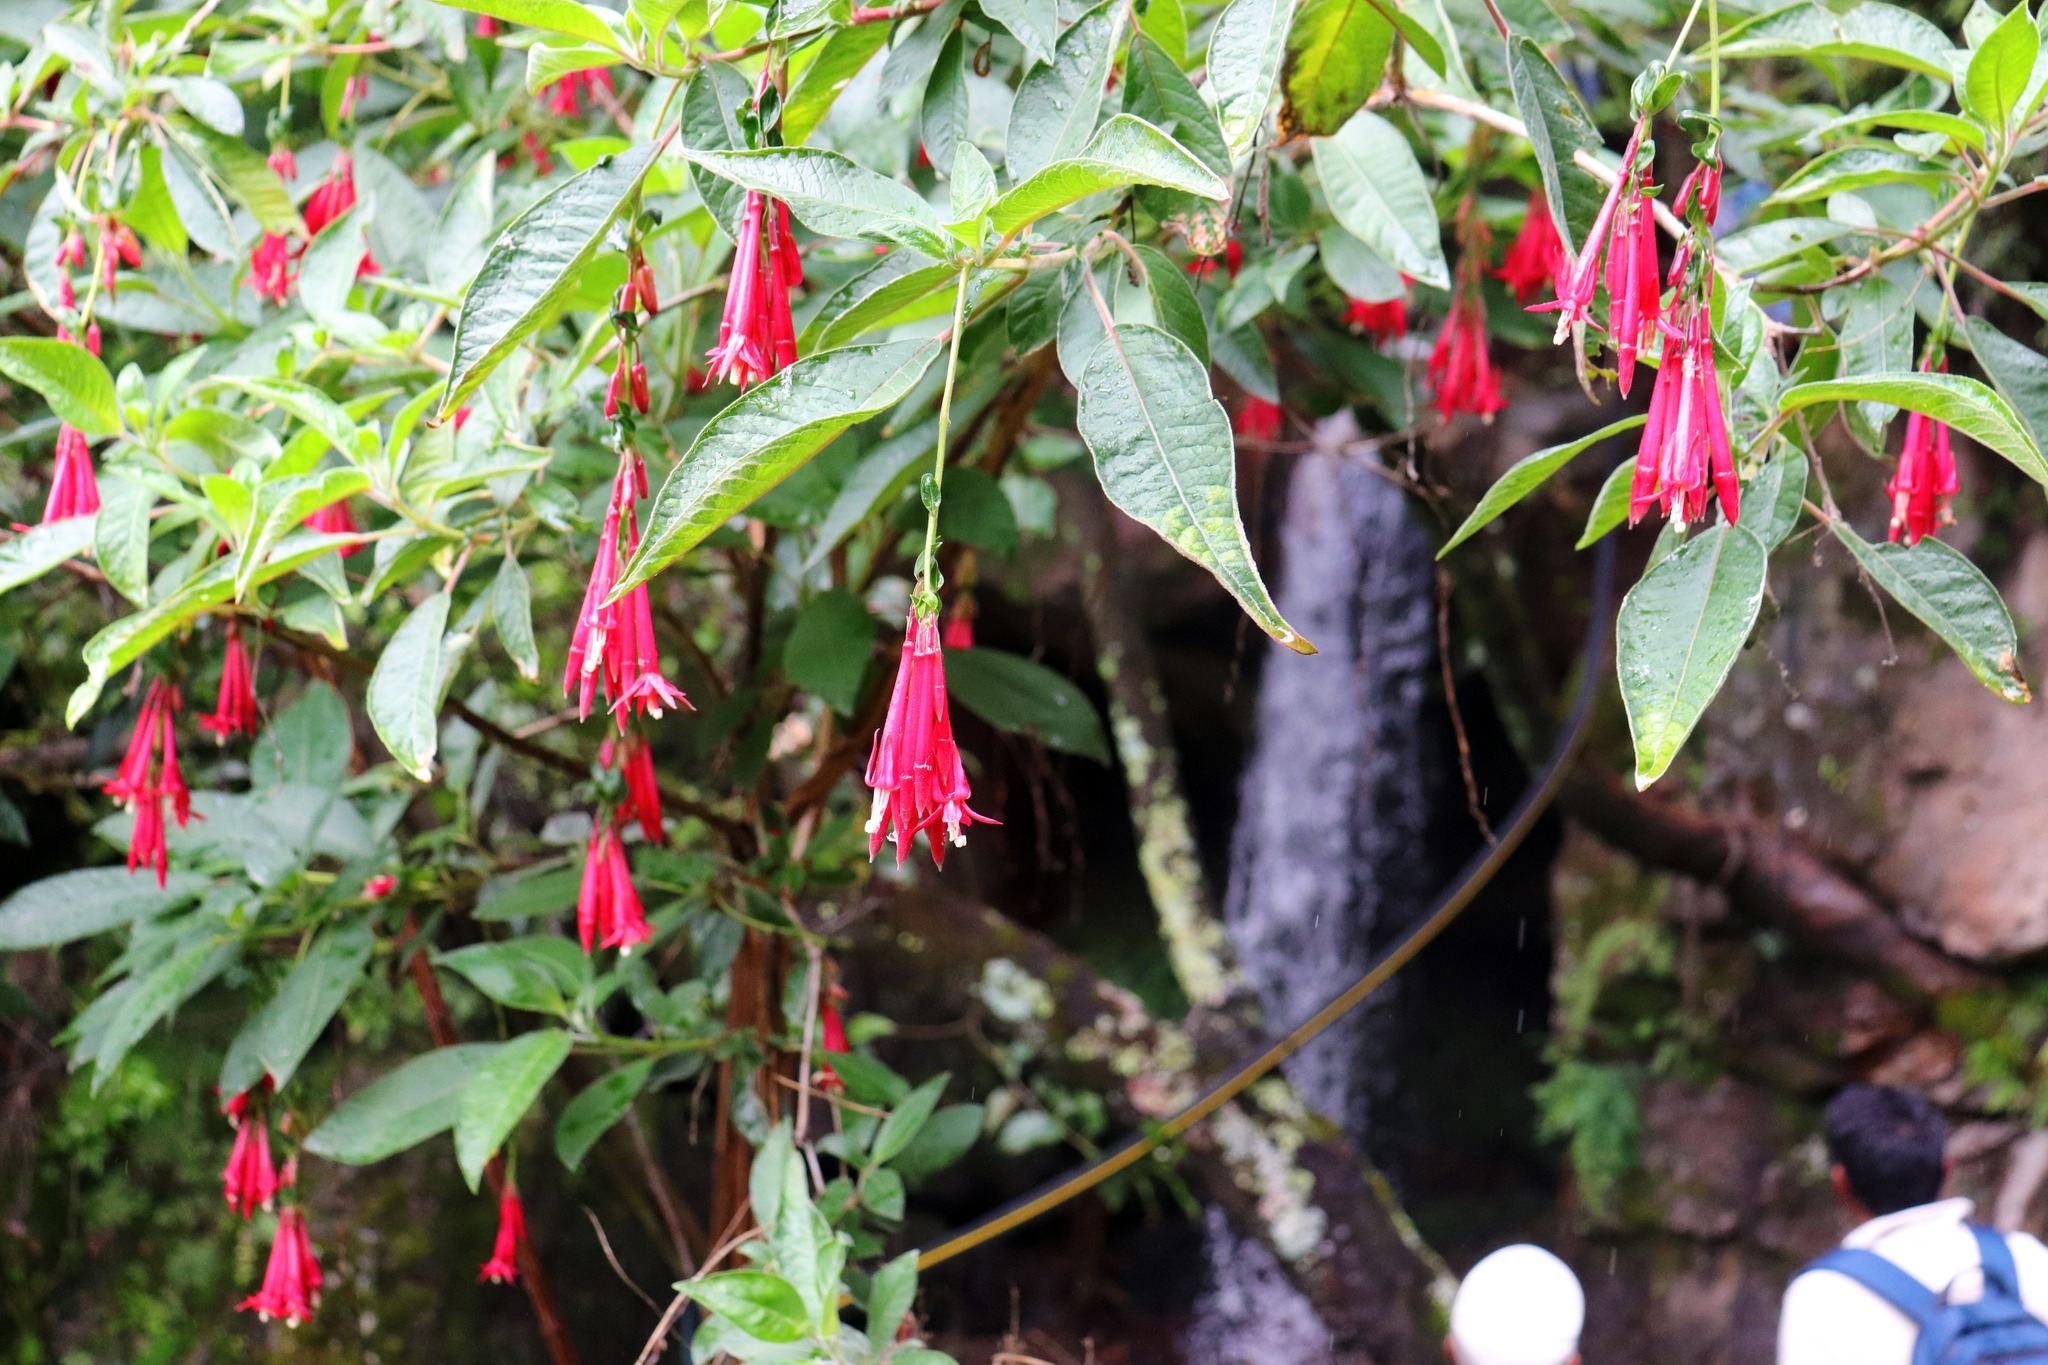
<point x="1995" y="1330"/>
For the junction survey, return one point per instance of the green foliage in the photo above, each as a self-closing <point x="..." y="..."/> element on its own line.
<point x="1593" y="1107"/>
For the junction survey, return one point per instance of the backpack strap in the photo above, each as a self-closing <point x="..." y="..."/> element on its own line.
<point x="1996" y="1256"/>
<point x="1883" y="1279"/>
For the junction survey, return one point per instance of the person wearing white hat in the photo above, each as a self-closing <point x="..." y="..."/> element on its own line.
<point x="1519" y="1306"/>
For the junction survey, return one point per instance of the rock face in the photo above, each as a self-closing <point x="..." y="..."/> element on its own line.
<point x="1968" y="867"/>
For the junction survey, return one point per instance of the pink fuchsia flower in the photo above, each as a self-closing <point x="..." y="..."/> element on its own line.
<point x="915" y="771"/>
<point x="486" y="26"/>
<point x="1461" y="366"/>
<point x="118" y="247"/>
<point x="291" y="1282"/>
<point x="1634" y="298"/>
<point x="74" y="489"/>
<point x="271" y="267"/>
<point x="234" y="712"/>
<point x="503" y="1267"/>
<point x="1231" y="259"/>
<point x="283" y="162"/>
<point x="1257" y="419"/>
<point x="566" y="96"/>
<point x="1537" y="254"/>
<point x="70" y="251"/>
<point x="1383" y="321"/>
<point x="331" y="198"/>
<point x="1609" y="235"/>
<point x="336" y="520"/>
<point x="1685" y="443"/>
<point x="634" y="760"/>
<point x="1926" y="478"/>
<point x="959" y="629"/>
<point x="250" y="1181"/>
<point x="379" y="886"/>
<point x="608" y="910"/>
<point x="756" y="336"/>
<point x="149" y="773"/>
<point x="614" y="641"/>
<point x="831" y="1038"/>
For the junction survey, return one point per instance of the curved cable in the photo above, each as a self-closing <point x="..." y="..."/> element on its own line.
<point x="1469" y="883"/>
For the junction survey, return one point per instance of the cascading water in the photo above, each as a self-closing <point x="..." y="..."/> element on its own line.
<point x="1329" y="859"/>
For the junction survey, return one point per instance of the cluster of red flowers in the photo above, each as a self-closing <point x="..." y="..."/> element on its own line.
<point x="630" y="757"/>
<point x="1383" y="321"/>
<point x="566" y="96"/>
<point x="608" y="909"/>
<point x="74" y="489"/>
<point x="756" y="336"/>
<point x="1926" y="477"/>
<point x="1537" y="255"/>
<point x="274" y="263"/>
<point x="1685" y="442"/>
<point x="291" y="1281"/>
<point x="1625" y="234"/>
<point x="234" y="711"/>
<point x="148" y="774"/>
<point x="914" y="771"/>
<point x="249" y="1179"/>
<point x="1460" y="366"/>
<point x="1258" y="419"/>
<point x="614" y="641"/>
<point x="335" y="519"/>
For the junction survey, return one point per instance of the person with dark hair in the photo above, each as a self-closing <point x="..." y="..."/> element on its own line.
<point x="1915" y="1281"/>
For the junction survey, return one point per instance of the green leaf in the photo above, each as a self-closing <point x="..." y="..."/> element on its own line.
<point x="942" y="114"/>
<point x="1855" y="168"/>
<point x="404" y="697"/>
<point x="770" y="1177"/>
<point x="535" y="265"/>
<point x="308" y="745"/>
<point x="1035" y="24"/>
<point x="1124" y="151"/>
<point x="249" y="178"/>
<point x="1336" y="54"/>
<point x="764" y="1306"/>
<point x="868" y="1081"/>
<point x="556" y="16"/>
<point x="2019" y="372"/>
<point x="2000" y="69"/>
<point x="1767" y="244"/>
<point x="911" y="60"/>
<point x="1165" y="22"/>
<point x="538" y="973"/>
<point x="121" y="536"/>
<point x="1953" y="599"/>
<point x="764" y="435"/>
<point x="152" y="212"/>
<point x="526" y="894"/>
<point x="832" y="195"/>
<point x="547" y="63"/>
<point x="1246" y="49"/>
<point x="303" y="401"/>
<point x="881" y="296"/>
<point x="708" y="122"/>
<point x="828" y="651"/>
<point x="1965" y="404"/>
<point x="1774" y="499"/>
<point x="282" y="1032"/>
<point x="1054" y="112"/>
<point x="1610" y="505"/>
<point x="906" y="1118"/>
<point x="943" y="1140"/>
<point x="504" y="1086"/>
<point x="401" y="1108"/>
<point x="75" y="905"/>
<point x="1679" y="631"/>
<point x="973" y="192"/>
<point x="841" y="55"/>
<point x="34" y="552"/>
<point x="1174" y="306"/>
<point x="512" y="610"/>
<point x="601" y="1104"/>
<point x="1377" y="191"/>
<point x="70" y="379"/>
<point x="1559" y="128"/>
<point x="890" y="1296"/>
<point x="210" y="101"/>
<point x="1526" y="476"/>
<point x="1869" y="32"/>
<point x="1015" y="694"/>
<point x="162" y="989"/>
<point x="882" y="468"/>
<point x="1164" y="453"/>
<point x="882" y="1194"/>
<point x="1160" y="93"/>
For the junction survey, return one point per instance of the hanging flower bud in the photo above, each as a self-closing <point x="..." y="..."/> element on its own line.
<point x="1685" y="442"/>
<point x="1633" y="298"/>
<point x="1537" y="254"/>
<point x="503" y="1267"/>
<point x="74" y="488"/>
<point x="283" y="162"/>
<point x="70" y="251"/>
<point x="1257" y="419"/>
<point x="67" y="295"/>
<point x="234" y="713"/>
<point x="118" y="247"/>
<point x="756" y="335"/>
<point x="271" y="268"/>
<point x="291" y="1282"/>
<point x="379" y="886"/>
<point x="250" y="1181"/>
<point x="915" y="771"/>
<point x="92" y="338"/>
<point x="959" y="631"/>
<point x="336" y="520"/>
<point x="1383" y="321"/>
<point x="566" y="96"/>
<point x="831" y="1039"/>
<point x="1461" y="365"/>
<point x="641" y="400"/>
<point x="632" y="757"/>
<point x="1926" y="478"/>
<point x="608" y="911"/>
<point x="149" y="773"/>
<point x="486" y="26"/>
<point x="333" y="196"/>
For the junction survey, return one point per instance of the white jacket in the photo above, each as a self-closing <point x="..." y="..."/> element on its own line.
<point x="1829" y="1319"/>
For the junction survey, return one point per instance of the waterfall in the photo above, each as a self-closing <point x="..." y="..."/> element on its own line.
<point x="1329" y="860"/>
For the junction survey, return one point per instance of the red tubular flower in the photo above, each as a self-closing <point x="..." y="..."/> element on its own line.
<point x="249" y="1180"/>
<point x="1257" y="419"/>
<point x="486" y="26"/>
<point x="959" y="631"/>
<point x="234" y="713"/>
<point x="291" y="1282"/>
<point x="92" y="338"/>
<point x="608" y="910"/>
<point x="1926" y="478"/>
<point x="333" y="196"/>
<point x="1232" y="260"/>
<point x="635" y="760"/>
<point x="74" y="489"/>
<point x="1633" y="294"/>
<point x="1537" y="255"/>
<point x="831" y="1038"/>
<point x="148" y="773"/>
<point x="1580" y="278"/>
<point x="70" y="251"/>
<point x="914" y="771"/>
<point x="118" y="247"/>
<point x="756" y="336"/>
<point x="379" y="886"/>
<point x="614" y="641"/>
<point x="503" y="1267"/>
<point x="1383" y="321"/>
<point x="1685" y="443"/>
<point x="336" y="520"/>
<point x="566" y="96"/>
<point x="1460" y="366"/>
<point x="67" y="295"/>
<point x="283" y="162"/>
